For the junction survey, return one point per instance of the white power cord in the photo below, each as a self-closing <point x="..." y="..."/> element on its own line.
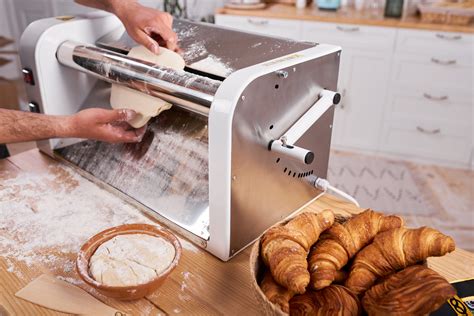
<point x="325" y="186"/>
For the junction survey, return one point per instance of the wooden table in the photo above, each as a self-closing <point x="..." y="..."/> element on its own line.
<point x="201" y="284"/>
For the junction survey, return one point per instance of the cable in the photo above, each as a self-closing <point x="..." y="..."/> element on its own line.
<point x="324" y="185"/>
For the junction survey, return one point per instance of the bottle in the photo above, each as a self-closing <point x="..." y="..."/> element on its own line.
<point x="394" y="8"/>
<point x="300" y="4"/>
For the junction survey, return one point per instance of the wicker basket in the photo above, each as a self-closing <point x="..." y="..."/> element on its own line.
<point x="257" y="268"/>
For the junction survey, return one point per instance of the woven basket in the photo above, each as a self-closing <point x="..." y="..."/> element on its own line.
<point x="257" y="268"/>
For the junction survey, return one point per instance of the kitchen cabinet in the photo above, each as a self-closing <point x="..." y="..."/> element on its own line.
<point x="406" y="93"/>
<point x="362" y="83"/>
<point x="365" y="66"/>
<point x="275" y="27"/>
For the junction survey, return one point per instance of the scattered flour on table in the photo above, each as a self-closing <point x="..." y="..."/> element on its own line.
<point x="46" y="217"/>
<point x="213" y="65"/>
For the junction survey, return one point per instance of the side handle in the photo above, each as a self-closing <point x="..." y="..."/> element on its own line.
<point x="285" y="144"/>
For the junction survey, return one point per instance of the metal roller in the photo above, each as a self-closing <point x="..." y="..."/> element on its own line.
<point x="187" y="90"/>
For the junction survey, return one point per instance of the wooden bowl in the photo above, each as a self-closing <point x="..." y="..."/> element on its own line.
<point x="125" y="292"/>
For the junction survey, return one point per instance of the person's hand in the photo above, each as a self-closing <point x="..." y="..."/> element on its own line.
<point x="148" y="27"/>
<point x="105" y="125"/>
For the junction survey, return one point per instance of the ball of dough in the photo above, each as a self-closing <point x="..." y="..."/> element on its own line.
<point x="128" y="260"/>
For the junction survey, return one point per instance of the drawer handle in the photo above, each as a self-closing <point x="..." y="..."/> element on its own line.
<point x="430" y="97"/>
<point x="425" y="131"/>
<point x="443" y="62"/>
<point x="255" y="22"/>
<point x="348" y="29"/>
<point x="449" y="38"/>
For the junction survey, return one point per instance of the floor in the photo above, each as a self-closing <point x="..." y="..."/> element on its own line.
<point x="439" y="197"/>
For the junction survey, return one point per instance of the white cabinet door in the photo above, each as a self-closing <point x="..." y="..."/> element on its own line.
<point x="6" y="30"/>
<point x="68" y="7"/>
<point x="363" y="84"/>
<point x="350" y="36"/>
<point x="275" y="27"/>
<point x="27" y="11"/>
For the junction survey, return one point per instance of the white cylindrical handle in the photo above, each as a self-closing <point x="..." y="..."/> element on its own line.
<point x="326" y="99"/>
<point x="294" y="152"/>
<point x="285" y="144"/>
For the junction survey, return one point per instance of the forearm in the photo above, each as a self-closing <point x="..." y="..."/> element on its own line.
<point x="112" y="6"/>
<point x="16" y="126"/>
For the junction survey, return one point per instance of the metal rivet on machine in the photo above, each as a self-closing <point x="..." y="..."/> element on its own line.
<point x="282" y="74"/>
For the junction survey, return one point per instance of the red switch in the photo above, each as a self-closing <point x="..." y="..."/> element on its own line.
<point x="28" y="76"/>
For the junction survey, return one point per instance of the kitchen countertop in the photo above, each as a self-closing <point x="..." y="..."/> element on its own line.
<point x="201" y="284"/>
<point x="345" y="16"/>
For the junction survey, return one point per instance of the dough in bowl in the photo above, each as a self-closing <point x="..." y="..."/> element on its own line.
<point x="145" y="105"/>
<point x="132" y="259"/>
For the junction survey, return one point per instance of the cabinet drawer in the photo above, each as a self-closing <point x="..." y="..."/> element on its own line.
<point x="368" y="38"/>
<point x="436" y="70"/>
<point x="275" y="27"/>
<point x="424" y="103"/>
<point x="434" y="140"/>
<point x="9" y="66"/>
<point x="427" y="42"/>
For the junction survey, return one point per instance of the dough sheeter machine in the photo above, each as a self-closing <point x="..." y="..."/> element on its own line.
<point x="236" y="153"/>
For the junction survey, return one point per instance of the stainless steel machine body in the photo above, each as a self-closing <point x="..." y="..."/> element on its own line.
<point x="204" y="167"/>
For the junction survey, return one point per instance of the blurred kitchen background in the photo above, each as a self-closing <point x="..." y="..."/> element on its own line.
<point x="403" y="134"/>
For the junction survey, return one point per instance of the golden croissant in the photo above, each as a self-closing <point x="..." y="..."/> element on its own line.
<point x="334" y="300"/>
<point x="394" y="250"/>
<point x="342" y="242"/>
<point x="416" y="290"/>
<point x="276" y="293"/>
<point x="284" y="248"/>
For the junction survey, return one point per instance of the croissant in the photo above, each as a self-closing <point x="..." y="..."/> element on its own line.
<point x="342" y="242"/>
<point x="416" y="290"/>
<point x="284" y="248"/>
<point x="330" y="301"/>
<point x="394" y="250"/>
<point x="276" y="293"/>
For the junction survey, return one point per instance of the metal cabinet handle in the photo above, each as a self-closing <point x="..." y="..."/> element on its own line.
<point x="447" y="37"/>
<point x="255" y="22"/>
<point x="425" y="131"/>
<point x="348" y="29"/>
<point x="443" y="62"/>
<point x="430" y="97"/>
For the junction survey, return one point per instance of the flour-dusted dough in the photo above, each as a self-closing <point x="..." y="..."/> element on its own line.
<point x="133" y="259"/>
<point x="145" y="105"/>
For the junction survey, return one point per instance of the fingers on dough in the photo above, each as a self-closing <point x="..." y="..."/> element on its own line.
<point x="145" y="105"/>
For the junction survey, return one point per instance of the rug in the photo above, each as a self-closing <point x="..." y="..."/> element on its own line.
<point x="381" y="184"/>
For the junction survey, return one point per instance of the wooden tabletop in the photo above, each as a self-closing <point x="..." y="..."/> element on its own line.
<point x="201" y="284"/>
<point x="345" y="16"/>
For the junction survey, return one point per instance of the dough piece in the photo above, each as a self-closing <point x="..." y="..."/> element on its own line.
<point x="128" y="260"/>
<point x="145" y="105"/>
